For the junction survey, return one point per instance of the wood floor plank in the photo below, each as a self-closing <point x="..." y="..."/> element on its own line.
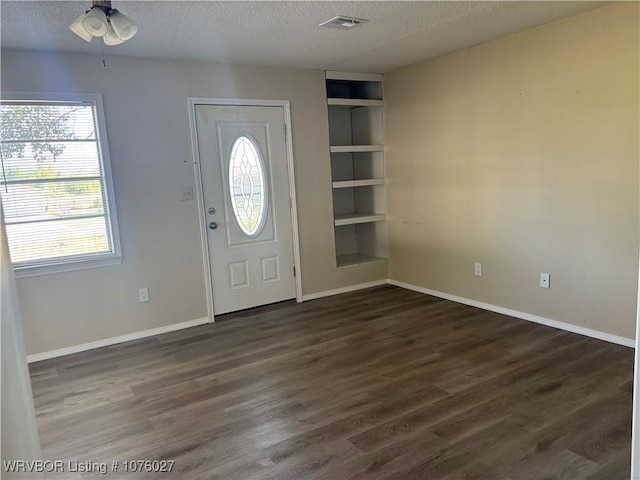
<point x="382" y="383"/>
<point x="389" y="460"/>
<point x="456" y="457"/>
<point x="618" y="469"/>
<point x="562" y="464"/>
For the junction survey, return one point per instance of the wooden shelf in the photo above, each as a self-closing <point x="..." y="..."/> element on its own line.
<point x="356" y="259"/>
<point x="354" y="218"/>
<point x="356" y="148"/>
<point x="358" y="183"/>
<point x="352" y="102"/>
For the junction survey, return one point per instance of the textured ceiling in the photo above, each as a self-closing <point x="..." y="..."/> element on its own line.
<point x="285" y="33"/>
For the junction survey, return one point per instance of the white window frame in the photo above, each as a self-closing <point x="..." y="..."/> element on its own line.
<point x="59" y="265"/>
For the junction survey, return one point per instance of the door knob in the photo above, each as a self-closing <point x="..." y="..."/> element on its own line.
<point x="213" y="225"/>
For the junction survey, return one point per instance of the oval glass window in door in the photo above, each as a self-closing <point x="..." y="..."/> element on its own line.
<point x="247" y="185"/>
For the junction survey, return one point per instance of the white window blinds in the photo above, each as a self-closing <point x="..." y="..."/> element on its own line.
<point x="53" y="184"/>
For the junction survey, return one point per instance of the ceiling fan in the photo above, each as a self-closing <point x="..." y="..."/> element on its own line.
<point x="103" y="21"/>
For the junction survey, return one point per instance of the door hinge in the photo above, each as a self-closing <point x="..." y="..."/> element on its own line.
<point x="285" y="132"/>
<point x="290" y="204"/>
<point x="294" y="270"/>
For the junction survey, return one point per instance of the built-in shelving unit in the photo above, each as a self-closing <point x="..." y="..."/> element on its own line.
<point x="355" y="108"/>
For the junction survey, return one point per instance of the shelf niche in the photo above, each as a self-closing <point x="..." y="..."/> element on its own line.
<point x="354" y="89"/>
<point x="360" y="243"/>
<point x="355" y="111"/>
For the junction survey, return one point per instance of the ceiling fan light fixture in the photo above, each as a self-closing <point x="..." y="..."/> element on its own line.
<point x="122" y="25"/>
<point x="77" y="28"/>
<point x="95" y="22"/>
<point x="111" y="38"/>
<point x="103" y="21"/>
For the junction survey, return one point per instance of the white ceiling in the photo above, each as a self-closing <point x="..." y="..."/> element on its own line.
<point x="285" y="33"/>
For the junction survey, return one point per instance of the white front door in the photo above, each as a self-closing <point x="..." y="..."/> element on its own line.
<point x="243" y="167"/>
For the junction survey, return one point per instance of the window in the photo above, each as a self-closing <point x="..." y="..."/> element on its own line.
<point x="55" y="183"/>
<point x="247" y="186"/>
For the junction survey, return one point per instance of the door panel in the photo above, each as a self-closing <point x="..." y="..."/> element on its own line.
<point x="246" y="195"/>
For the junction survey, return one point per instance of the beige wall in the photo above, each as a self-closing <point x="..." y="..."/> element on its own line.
<point x="522" y="154"/>
<point x="149" y="141"/>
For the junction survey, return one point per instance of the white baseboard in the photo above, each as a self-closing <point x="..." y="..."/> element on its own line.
<point x="350" y="288"/>
<point x="627" y="342"/>
<point x="115" y="340"/>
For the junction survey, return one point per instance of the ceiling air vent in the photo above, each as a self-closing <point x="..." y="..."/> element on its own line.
<point x="343" y="23"/>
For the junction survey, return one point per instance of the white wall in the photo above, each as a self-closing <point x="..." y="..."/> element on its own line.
<point x="146" y="113"/>
<point x="19" y="430"/>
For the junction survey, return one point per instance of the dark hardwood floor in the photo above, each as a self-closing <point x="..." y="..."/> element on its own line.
<point x="379" y="384"/>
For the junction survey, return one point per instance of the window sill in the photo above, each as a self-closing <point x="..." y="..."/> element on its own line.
<point x="37" y="270"/>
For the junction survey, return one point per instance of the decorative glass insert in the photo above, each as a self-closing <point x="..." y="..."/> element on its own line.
<point x="247" y="186"/>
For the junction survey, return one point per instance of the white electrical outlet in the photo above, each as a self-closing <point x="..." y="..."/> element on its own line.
<point x="478" y="269"/>
<point x="545" y="280"/>
<point x="186" y="193"/>
<point x="143" y="295"/>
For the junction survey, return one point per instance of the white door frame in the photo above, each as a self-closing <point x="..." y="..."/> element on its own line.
<point x="192" y="102"/>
